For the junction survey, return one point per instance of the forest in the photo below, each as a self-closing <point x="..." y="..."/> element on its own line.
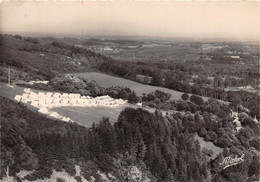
<point x="149" y="141"/>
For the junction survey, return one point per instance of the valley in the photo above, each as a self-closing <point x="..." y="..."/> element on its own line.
<point x="152" y="107"/>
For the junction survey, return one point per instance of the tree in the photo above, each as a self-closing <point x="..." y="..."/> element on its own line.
<point x="196" y="100"/>
<point x="133" y="98"/>
<point x="185" y="96"/>
<point x="162" y="95"/>
<point x="107" y="136"/>
<point x="202" y="132"/>
<point x="254" y="168"/>
<point x="18" y="37"/>
<point x="7" y="160"/>
<point x="157" y="79"/>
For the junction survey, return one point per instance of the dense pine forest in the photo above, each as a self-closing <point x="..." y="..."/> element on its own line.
<point x="163" y="148"/>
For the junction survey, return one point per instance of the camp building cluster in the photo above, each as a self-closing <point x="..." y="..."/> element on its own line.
<point x="44" y="101"/>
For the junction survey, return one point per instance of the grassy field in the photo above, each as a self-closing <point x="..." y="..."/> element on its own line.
<point x="159" y="53"/>
<point x="10" y="92"/>
<point x="87" y="115"/>
<point x="108" y="81"/>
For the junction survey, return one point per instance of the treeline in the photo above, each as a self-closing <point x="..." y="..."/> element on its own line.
<point x="28" y="39"/>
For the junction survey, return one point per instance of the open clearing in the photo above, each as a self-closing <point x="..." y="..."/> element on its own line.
<point x="106" y="81"/>
<point x="109" y="81"/>
<point x="209" y="145"/>
<point x="87" y="115"/>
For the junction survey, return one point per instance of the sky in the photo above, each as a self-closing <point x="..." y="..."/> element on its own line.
<point x="207" y="19"/>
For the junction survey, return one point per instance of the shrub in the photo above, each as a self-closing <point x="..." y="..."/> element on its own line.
<point x="32" y="40"/>
<point x="60" y="180"/>
<point x="202" y="132"/>
<point x="78" y="178"/>
<point x="162" y="95"/>
<point x="18" y="37"/>
<point x="196" y="100"/>
<point x="185" y="96"/>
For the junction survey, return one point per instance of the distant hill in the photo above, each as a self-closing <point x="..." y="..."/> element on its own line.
<point x="45" y="57"/>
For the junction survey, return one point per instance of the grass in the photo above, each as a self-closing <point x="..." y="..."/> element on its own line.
<point x="209" y="145"/>
<point x="157" y="53"/>
<point x="87" y="115"/>
<point x="9" y="92"/>
<point x="140" y="89"/>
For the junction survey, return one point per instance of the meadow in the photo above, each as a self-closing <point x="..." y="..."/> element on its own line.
<point x="157" y="53"/>
<point x="108" y="81"/>
<point x="85" y="116"/>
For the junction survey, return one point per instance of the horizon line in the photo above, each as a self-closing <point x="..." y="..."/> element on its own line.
<point x="74" y="35"/>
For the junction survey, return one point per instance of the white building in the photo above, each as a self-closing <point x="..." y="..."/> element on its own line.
<point x="27" y="90"/>
<point x="48" y="94"/>
<point x="41" y="95"/>
<point x="48" y="101"/>
<point x="67" y="119"/>
<point x="139" y="104"/>
<point x="55" y="115"/>
<point x="77" y="96"/>
<point x="72" y="101"/>
<point x="74" y="96"/>
<point x="56" y="95"/>
<point x="235" y="57"/>
<point x="35" y="103"/>
<point x="25" y="96"/>
<point x="236" y="120"/>
<point x="56" y="101"/>
<point x="32" y="96"/>
<point x="81" y="101"/>
<point x="44" y="110"/>
<point x="42" y="102"/>
<point x="71" y="96"/>
<point x="65" y="101"/>
<point x="65" y="95"/>
<point x="18" y="98"/>
<point x="255" y="120"/>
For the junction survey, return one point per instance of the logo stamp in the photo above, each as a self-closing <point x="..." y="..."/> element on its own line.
<point x="231" y="161"/>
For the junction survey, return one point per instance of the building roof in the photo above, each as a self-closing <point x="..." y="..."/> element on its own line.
<point x="43" y="110"/>
<point x="35" y="103"/>
<point x="49" y="94"/>
<point x="18" y="98"/>
<point x="65" y="95"/>
<point x="41" y="94"/>
<point x="255" y="120"/>
<point x="56" y="95"/>
<point x="27" y="90"/>
<point x="55" y="115"/>
<point x="66" y="119"/>
<point x="25" y="96"/>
